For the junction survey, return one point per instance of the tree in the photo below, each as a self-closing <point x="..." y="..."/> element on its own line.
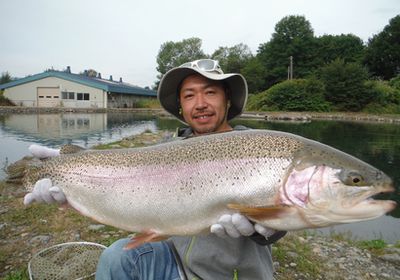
<point x="348" y="47"/>
<point x="5" y="78"/>
<point x="173" y="54"/>
<point x="344" y="85"/>
<point x="254" y="72"/>
<point x="294" y="37"/>
<point x="383" y="51"/>
<point x="233" y="59"/>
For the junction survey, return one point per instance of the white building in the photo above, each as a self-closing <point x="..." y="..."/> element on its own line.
<point x="68" y="90"/>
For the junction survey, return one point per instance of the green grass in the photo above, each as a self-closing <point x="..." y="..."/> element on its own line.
<point x="376" y="246"/>
<point x="306" y="261"/>
<point x="21" y="274"/>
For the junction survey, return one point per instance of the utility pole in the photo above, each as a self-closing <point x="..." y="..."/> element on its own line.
<point x="290" y="68"/>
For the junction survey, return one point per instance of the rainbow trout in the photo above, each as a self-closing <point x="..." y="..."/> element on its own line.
<point x="280" y="180"/>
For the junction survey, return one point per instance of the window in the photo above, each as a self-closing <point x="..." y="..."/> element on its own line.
<point x="67" y="95"/>
<point x="82" y="96"/>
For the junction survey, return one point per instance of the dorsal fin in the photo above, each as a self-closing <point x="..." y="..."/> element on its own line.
<point x="70" y="149"/>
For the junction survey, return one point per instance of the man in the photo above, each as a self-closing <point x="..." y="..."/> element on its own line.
<point x="201" y="96"/>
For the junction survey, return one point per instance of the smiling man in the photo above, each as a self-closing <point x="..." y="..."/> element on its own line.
<point x="200" y="95"/>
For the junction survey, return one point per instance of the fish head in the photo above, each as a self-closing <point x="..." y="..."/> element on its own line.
<point x="331" y="187"/>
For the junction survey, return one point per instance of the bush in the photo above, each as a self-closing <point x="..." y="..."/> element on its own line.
<point x="258" y="102"/>
<point x="150" y="103"/>
<point x="386" y="98"/>
<point x="344" y="85"/>
<point x="293" y="95"/>
<point x="4" y="101"/>
<point x="395" y="82"/>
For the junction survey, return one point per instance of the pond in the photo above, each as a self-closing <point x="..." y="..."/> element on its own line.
<point x="377" y="144"/>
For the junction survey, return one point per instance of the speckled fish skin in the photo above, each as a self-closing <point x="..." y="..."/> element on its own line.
<point x="183" y="187"/>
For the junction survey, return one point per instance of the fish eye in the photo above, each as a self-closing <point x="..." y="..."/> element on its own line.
<point x="354" y="179"/>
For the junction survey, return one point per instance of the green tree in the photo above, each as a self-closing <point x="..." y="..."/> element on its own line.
<point x="173" y="54"/>
<point x="348" y="47"/>
<point x="294" y="37"/>
<point x="5" y="78"/>
<point x="344" y="84"/>
<point x="233" y="59"/>
<point x="383" y="51"/>
<point x="254" y="71"/>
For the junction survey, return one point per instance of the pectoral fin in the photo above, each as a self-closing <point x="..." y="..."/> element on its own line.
<point x="144" y="237"/>
<point x="261" y="212"/>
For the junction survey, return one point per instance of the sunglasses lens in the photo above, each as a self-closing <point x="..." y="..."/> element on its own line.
<point x="206" y="64"/>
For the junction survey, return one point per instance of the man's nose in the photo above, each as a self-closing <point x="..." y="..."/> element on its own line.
<point x="200" y="102"/>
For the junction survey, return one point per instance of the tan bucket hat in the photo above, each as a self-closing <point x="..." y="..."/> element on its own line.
<point x="208" y="68"/>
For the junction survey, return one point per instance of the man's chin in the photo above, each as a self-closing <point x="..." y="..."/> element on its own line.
<point x="203" y="129"/>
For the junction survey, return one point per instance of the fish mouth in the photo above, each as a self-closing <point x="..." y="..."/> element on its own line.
<point x="368" y="195"/>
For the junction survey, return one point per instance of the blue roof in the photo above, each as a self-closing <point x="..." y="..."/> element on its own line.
<point x="107" y="85"/>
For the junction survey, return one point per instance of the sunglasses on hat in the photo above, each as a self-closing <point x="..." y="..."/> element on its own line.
<point x="208" y="65"/>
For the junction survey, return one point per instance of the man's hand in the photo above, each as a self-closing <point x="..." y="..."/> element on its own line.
<point x="44" y="191"/>
<point x="237" y="225"/>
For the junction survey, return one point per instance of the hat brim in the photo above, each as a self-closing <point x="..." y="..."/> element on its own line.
<point x="168" y="90"/>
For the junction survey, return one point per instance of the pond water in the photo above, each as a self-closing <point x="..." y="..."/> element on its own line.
<point x="377" y="144"/>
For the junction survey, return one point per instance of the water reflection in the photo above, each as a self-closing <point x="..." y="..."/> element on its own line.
<point x="55" y="126"/>
<point x="18" y="131"/>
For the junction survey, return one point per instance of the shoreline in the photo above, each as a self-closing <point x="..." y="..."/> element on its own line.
<point x="267" y="116"/>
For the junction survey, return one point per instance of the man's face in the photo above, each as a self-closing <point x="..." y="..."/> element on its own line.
<point x="204" y="104"/>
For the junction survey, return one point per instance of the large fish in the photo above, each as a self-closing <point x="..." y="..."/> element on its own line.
<point x="280" y="180"/>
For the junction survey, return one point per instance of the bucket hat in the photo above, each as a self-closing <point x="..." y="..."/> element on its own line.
<point x="168" y="94"/>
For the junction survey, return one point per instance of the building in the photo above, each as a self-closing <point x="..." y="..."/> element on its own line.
<point x="65" y="89"/>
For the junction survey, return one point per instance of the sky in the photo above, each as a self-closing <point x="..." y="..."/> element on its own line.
<point x="123" y="37"/>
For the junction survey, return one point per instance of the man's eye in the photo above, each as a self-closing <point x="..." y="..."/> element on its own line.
<point x="188" y="96"/>
<point x="210" y="92"/>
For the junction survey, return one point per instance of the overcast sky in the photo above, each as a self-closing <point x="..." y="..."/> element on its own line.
<point x="122" y="37"/>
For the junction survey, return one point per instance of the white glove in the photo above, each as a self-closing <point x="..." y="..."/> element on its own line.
<point x="44" y="191"/>
<point x="237" y="225"/>
<point x="43" y="152"/>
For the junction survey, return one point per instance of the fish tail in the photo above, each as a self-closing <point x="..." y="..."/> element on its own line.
<point x="17" y="172"/>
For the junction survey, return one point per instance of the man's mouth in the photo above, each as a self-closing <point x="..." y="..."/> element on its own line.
<point x="202" y="117"/>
